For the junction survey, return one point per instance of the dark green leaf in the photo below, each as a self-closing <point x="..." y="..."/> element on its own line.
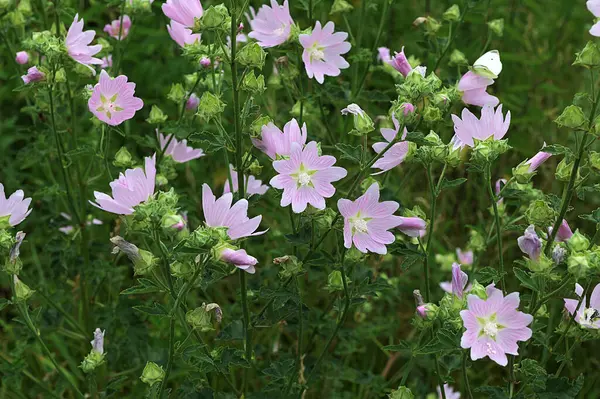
<point x="352" y="153"/>
<point x="452" y="183"/>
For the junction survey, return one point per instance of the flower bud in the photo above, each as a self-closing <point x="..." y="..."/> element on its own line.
<point x="400" y="63"/>
<point x="143" y="261"/>
<point x="201" y="317"/>
<point x="578" y="265"/>
<point x="522" y="174"/>
<point x="363" y="124"/>
<point x="540" y="214"/>
<point x="214" y="18"/>
<point x="432" y="114"/>
<point x="530" y="244"/>
<point x="497" y="26"/>
<point x="335" y="282"/>
<point x="458" y="58"/>
<point x="413" y="226"/>
<point x="152" y="374"/>
<point x="476" y="241"/>
<point x="479" y="290"/>
<point x="427" y="311"/>
<point x="594" y="160"/>
<point x="22" y="291"/>
<point x="22" y="58"/>
<point x="257" y="125"/>
<point x="340" y="6"/>
<point x="192" y="102"/>
<point x="252" y="56"/>
<point x="6" y="239"/>
<point x="541" y="264"/>
<point x="401" y="393"/>
<point x="181" y="269"/>
<point x="205" y="62"/>
<point x="253" y="84"/>
<point x="571" y="117"/>
<point x="578" y="242"/>
<point x="13" y="263"/>
<point x="92" y="361"/>
<point x="98" y="341"/>
<point x="173" y="223"/>
<point x="432" y="25"/>
<point x="238" y="257"/>
<point x="290" y="266"/>
<point x="452" y="14"/>
<point x="177" y="94"/>
<point x="33" y="75"/>
<point x="589" y="57"/>
<point x="564" y="232"/>
<point x="210" y="106"/>
<point x="123" y="158"/>
<point x="564" y="169"/>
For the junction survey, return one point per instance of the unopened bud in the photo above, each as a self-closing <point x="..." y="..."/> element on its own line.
<point x="152" y="374"/>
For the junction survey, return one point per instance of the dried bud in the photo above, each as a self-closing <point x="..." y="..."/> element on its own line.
<point x="143" y="261"/>
<point x="13" y="264"/>
<point x="363" y="124"/>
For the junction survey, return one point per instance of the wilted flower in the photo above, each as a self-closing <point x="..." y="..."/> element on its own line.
<point x="183" y="11"/>
<point x="464" y="258"/>
<point x="494" y="325"/>
<point x="367" y="221"/>
<point x="323" y="51"/>
<point x="412" y="226"/>
<point x="115" y="30"/>
<point x="252" y="184"/>
<point x="129" y="190"/>
<point x="587" y="317"/>
<point x="178" y="150"/>
<point x="306" y="177"/>
<point x="33" y="75"/>
<point x="220" y="213"/>
<point x="240" y="259"/>
<point x="22" y="57"/>
<point x="396" y="154"/>
<point x="113" y="100"/>
<point x="491" y="124"/>
<point x="594" y="7"/>
<point x="474" y="87"/>
<point x="530" y="243"/>
<point x="78" y="47"/>
<point x="272" y="26"/>
<point x="14" y="209"/>
<point x="182" y="35"/>
<point x="363" y="124"/>
<point x="277" y="144"/>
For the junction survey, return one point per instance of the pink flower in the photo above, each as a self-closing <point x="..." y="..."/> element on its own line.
<point x="564" y="232"/>
<point x="252" y="184"/>
<point x="78" y="47"/>
<point x="494" y="325"/>
<point x="192" y="102"/>
<point x="183" y="11"/>
<point x="33" y="75"/>
<point x="22" y="58"/>
<point x="306" y="177"/>
<point x="594" y="7"/>
<point x="449" y="392"/>
<point x="396" y="154"/>
<point x="220" y="213"/>
<point x="205" y="62"/>
<point x="277" y="144"/>
<point x="323" y="50"/>
<point x="114" y="28"/>
<point x="412" y="226"/>
<point x="14" y="209"/>
<point x="400" y="63"/>
<point x="474" y="88"/>
<point x="178" y="150"/>
<point x="530" y="243"/>
<point x="407" y="108"/>
<point x="458" y="286"/>
<point x="537" y="160"/>
<point x="383" y="55"/>
<point x="240" y="259"/>
<point x="112" y="99"/>
<point x="367" y="221"/>
<point x="464" y="258"/>
<point x="491" y="124"/>
<point x="586" y="317"/>
<point x="182" y="35"/>
<point x="107" y="62"/>
<point x="272" y="26"/>
<point x="129" y="190"/>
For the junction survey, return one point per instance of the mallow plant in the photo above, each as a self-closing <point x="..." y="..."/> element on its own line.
<point x="311" y="199"/>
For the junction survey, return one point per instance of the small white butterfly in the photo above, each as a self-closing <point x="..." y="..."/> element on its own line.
<point x="488" y="65"/>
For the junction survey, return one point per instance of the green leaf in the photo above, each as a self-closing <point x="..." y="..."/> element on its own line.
<point x="526" y="280"/>
<point x="155" y="310"/>
<point x="417" y="137"/>
<point x="557" y="149"/>
<point x="593" y="217"/>
<point x="403" y="346"/>
<point x="452" y="183"/>
<point x="491" y="392"/>
<point x="532" y="375"/>
<point x="146" y="286"/>
<point x="352" y="153"/>
<point x="487" y="275"/>
<point x="4" y="303"/>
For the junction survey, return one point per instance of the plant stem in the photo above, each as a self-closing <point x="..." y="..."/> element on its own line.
<point x="171" y="354"/>
<point x="452" y="36"/>
<point x="465" y="375"/>
<point x="488" y="183"/>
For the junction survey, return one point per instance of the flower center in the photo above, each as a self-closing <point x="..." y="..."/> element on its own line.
<point x="490" y="329"/>
<point x="316" y="53"/>
<point x="109" y="106"/>
<point x="360" y="225"/>
<point x="303" y="178"/>
<point x="279" y="31"/>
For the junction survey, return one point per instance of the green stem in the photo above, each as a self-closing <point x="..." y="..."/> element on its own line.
<point x="452" y="37"/>
<point x="489" y="184"/>
<point x="171" y="354"/>
<point x="465" y="375"/>
<point x="300" y="332"/>
<point x="439" y="376"/>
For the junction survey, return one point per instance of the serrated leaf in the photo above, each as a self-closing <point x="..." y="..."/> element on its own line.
<point x="487" y="275"/>
<point x="557" y="149"/>
<point x="526" y="280"/>
<point x="146" y="286"/>
<point x="155" y="310"/>
<point x="593" y="217"/>
<point x="349" y="152"/>
<point x="452" y="183"/>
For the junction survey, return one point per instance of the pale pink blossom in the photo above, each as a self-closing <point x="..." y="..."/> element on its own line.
<point x="178" y="150"/>
<point x="564" y="232"/>
<point x="537" y="160"/>
<point x="132" y="188"/>
<point x="183" y="11"/>
<point x="306" y="177"/>
<point x="323" y="51"/>
<point x="400" y="63"/>
<point x="14" y="209"/>
<point x="240" y="259"/>
<point x="594" y="7"/>
<point x="588" y="314"/>
<point x="22" y="58"/>
<point x="412" y="226"/>
<point x="78" y="44"/>
<point x="112" y="99"/>
<point x="33" y="75"/>
<point x="464" y="257"/>
<point x="367" y="221"/>
<point x="205" y="62"/>
<point x="114" y="28"/>
<point x="251" y="183"/>
<point x="494" y="325"/>
<point x="107" y="62"/>
<point x="458" y="286"/>
<point x="182" y="35"/>
<point x="473" y="88"/>
<point x="192" y="103"/>
<point x="491" y="124"/>
<point x="407" y="108"/>
<point x="272" y="26"/>
<point x="220" y="213"/>
<point x="396" y="154"/>
<point x="383" y="55"/>
<point x="530" y="244"/>
<point x="449" y="392"/>
<point x="277" y="144"/>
